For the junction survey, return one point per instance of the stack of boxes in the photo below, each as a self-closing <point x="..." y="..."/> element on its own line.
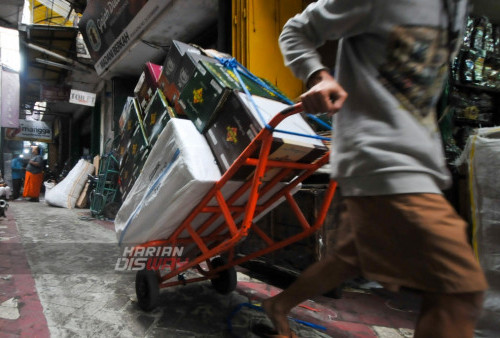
<point x="198" y="87"/>
<point x="142" y="119"/>
<point x="132" y="142"/>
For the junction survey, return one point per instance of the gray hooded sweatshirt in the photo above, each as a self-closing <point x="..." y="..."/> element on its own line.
<point x="392" y="61"/>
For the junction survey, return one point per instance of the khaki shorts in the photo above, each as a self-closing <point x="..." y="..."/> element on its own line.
<point x="412" y="240"/>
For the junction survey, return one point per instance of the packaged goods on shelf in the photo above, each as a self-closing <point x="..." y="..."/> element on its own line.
<point x="478" y="61"/>
<point x="237" y="123"/>
<point x="209" y="87"/>
<point x="147" y="84"/>
<point x="477" y="108"/>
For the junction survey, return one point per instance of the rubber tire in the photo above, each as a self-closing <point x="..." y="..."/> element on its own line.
<point x="226" y="281"/>
<point x="147" y="289"/>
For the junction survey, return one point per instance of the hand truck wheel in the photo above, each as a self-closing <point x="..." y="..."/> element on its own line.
<point x="147" y="289"/>
<point x="226" y="280"/>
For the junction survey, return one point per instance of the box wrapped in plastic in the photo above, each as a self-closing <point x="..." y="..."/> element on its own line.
<point x="482" y="155"/>
<point x="178" y="173"/>
<point x="66" y="192"/>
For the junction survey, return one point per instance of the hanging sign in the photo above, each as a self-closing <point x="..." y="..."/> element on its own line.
<point x="81" y="97"/>
<point x="30" y="130"/>
<point x="110" y="27"/>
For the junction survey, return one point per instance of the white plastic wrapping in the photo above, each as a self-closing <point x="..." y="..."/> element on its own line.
<point x="178" y="173"/>
<point x="483" y="158"/>
<point x="66" y="192"/>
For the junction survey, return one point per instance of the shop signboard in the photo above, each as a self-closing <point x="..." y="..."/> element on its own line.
<point x="110" y="27"/>
<point x="30" y="131"/>
<point x="83" y="98"/>
<point x="9" y="105"/>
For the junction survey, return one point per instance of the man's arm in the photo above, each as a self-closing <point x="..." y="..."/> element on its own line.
<point x="303" y="34"/>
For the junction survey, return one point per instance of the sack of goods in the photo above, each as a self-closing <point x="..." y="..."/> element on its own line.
<point x="66" y="192"/>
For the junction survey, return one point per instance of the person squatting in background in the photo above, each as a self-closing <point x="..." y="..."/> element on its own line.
<point x="396" y="227"/>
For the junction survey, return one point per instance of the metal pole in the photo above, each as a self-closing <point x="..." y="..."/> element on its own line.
<point x="60" y="57"/>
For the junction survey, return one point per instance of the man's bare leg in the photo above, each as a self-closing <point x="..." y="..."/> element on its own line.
<point x="317" y="279"/>
<point x="449" y="315"/>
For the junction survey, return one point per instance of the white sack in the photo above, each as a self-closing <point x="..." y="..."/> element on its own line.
<point x="66" y="192"/>
<point x="483" y="158"/>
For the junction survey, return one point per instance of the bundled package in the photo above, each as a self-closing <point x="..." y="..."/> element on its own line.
<point x="482" y="155"/>
<point x="179" y="172"/>
<point x="66" y="192"/>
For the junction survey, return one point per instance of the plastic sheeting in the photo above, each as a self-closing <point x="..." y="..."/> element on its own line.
<point x="178" y="173"/>
<point x="482" y="154"/>
<point x="66" y="192"/>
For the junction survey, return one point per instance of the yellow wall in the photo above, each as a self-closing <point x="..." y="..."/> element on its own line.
<point x="257" y="25"/>
<point x="43" y="15"/>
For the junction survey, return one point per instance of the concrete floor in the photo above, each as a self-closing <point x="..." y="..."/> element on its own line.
<point x="57" y="279"/>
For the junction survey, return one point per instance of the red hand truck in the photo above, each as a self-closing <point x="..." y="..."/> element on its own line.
<point x="217" y="247"/>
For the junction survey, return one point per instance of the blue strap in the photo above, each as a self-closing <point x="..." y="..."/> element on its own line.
<point x="236" y="67"/>
<point x="319" y="121"/>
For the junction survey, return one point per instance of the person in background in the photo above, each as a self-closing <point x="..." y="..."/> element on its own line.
<point x="17" y="176"/>
<point x="396" y="227"/>
<point x="34" y="176"/>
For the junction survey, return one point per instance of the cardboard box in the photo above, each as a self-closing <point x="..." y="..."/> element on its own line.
<point x="171" y="65"/>
<point x="237" y="124"/>
<point x="156" y="112"/>
<point x="208" y="89"/>
<point x="174" y="57"/>
<point x="128" y="114"/>
<point x="138" y="142"/>
<point x="128" y="122"/>
<point x="126" y="169"/>
<point x="158" y="127"/>
<point x="147" y="84"/>
<point x="188" y="64"/>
